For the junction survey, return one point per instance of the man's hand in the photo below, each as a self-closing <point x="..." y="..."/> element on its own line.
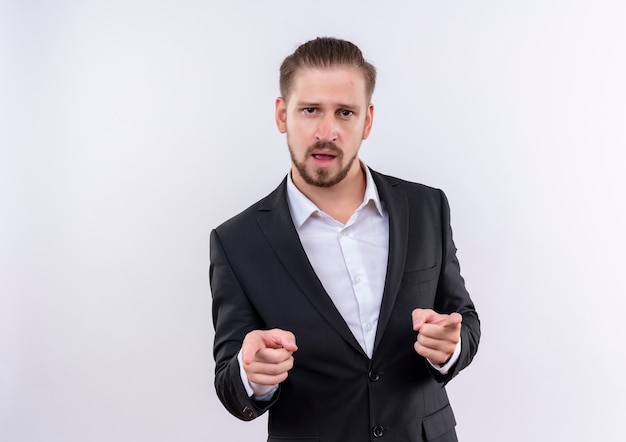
<point x="267" y="355"/>
<point x="438" y="334"/>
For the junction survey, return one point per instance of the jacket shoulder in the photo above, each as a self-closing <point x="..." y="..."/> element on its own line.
<point x="412" y="189"/>
<point x="248" y="216"/>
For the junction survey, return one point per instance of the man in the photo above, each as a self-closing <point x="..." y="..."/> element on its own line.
<point x="338" y="302"/>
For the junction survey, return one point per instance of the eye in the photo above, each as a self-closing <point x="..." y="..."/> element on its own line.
<point x="309" y="110"/>
<point x="346" y="113"/>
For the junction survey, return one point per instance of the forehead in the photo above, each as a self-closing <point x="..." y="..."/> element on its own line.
<point x="339" y="82"/>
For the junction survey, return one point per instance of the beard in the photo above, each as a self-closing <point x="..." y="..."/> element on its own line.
<point x="320" y="176"/>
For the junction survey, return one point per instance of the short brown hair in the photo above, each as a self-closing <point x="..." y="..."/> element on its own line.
<point x="325" y="52"/>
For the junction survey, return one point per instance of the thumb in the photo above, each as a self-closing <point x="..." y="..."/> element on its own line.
<point x="252" y="343"/>
<point x="421" y="316"/>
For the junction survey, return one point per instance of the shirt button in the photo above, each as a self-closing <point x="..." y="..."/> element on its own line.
<point x="358" y="278"/>
<point x="368" y="326"/>
<point x="344" y="233"/>
<point x="378" y="431"/>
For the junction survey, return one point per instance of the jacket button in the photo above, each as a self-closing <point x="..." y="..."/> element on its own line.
<point x="247" y="411"/>
<point x="373" y="376"/>
<point x="378" y="431"/>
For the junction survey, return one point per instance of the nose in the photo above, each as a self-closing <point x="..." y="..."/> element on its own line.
<point x="326" y="129"/>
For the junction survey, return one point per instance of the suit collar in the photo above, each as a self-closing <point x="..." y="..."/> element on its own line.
<point x="397" y="207"/>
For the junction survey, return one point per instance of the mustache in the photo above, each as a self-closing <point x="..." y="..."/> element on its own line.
<point x="325" y="145"/>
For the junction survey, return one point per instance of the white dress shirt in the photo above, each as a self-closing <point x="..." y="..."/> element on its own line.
<point x="350" y="260"/>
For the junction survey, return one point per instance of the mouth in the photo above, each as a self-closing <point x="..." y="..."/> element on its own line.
<point x="324" y="156"/>
<point x="323" y="159"/>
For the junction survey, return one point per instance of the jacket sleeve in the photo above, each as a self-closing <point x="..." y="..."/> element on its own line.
<point x="452" y="296"/>
<point x="233" y="317"/>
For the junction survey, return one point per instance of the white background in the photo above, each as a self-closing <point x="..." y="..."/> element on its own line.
<point x="128" y="129"/>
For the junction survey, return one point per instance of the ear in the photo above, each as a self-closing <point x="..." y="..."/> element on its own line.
<point x="281" y="115"/>
<point x="369" y="119"/>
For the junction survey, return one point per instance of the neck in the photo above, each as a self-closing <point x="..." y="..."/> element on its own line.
<point x="339" y="201"/>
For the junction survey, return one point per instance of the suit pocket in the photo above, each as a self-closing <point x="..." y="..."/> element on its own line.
<point x="438" y="423"/>
<point x="420" y="276"/>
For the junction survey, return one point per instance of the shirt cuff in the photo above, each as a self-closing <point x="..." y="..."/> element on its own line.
<point x="445" y="368"/>
<point x="255" y="391"/>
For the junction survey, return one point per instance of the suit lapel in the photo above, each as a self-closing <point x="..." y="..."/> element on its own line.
<point x="277" y="226"/>
<point x="396" y="203"/>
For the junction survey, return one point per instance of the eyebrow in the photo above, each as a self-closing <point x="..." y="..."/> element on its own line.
<point x="315" y="104"/>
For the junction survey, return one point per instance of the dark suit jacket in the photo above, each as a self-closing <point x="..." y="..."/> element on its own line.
<point x="261" y="279"/>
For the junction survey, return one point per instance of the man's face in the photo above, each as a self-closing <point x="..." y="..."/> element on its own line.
<point x="325" y="117"/>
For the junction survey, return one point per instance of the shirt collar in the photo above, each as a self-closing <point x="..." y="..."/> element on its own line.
<point x="302" y="208"/>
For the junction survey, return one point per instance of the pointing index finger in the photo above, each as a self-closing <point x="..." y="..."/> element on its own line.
<point x="452" y="319"/>
<point x="427" y="316"/>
